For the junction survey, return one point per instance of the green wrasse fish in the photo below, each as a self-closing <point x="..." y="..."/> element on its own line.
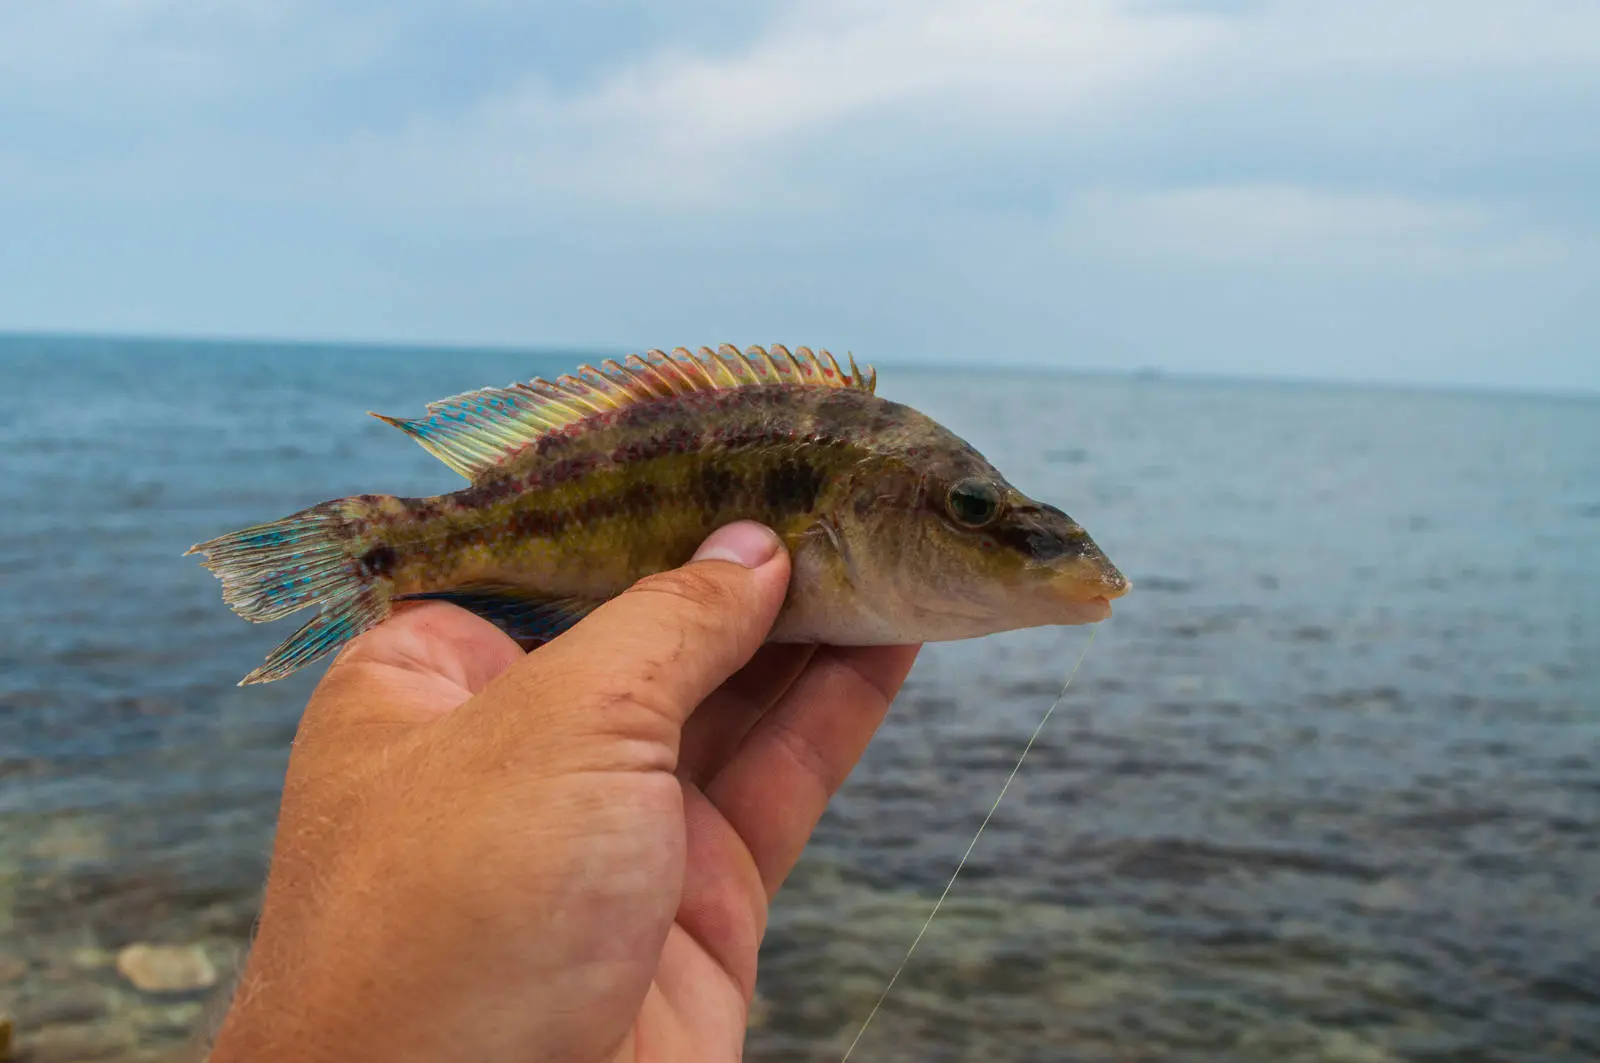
<point x="899" y="531"/>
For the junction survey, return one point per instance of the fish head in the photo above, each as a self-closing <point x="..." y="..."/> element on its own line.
<point x="959" y="552"/>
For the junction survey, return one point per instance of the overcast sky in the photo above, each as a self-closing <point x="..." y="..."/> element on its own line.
<point x="1376" y="189"/>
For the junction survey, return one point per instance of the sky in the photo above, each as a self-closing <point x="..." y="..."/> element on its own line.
<point x="1393" y="190"/>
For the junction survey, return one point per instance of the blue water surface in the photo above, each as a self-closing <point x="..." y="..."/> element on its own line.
<point x="1327" y="786"/>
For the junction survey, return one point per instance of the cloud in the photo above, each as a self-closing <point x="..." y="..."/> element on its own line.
<point x="677" y="126"/>
<point x="942" y="176"/>
<point x="1016" y="62"/>
<point x="1278" y="226"/>
<point x="1426" y="38"/>
<point x="135" y="62"/>
<point x="887" y="84"/>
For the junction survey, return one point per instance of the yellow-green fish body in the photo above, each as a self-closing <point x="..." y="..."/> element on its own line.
<point x="899" y="531"/>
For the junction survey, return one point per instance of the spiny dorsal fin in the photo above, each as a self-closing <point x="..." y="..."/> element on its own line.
<point x="477" y="430"/>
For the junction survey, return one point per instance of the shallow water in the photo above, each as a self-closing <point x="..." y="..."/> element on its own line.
<point x="1327" y="787"/>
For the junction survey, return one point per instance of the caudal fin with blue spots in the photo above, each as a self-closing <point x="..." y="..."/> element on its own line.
<point x="314" y="557"/>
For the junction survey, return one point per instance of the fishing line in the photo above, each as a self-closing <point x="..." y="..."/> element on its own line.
<point x="974" y="843"/>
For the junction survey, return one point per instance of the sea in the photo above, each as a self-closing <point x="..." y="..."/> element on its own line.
<point x="1326" y="787"/>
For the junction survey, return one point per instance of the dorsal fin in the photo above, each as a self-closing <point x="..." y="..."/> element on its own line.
<point x="477" y="430"/>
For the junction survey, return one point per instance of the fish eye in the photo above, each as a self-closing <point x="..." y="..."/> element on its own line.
<point x="973" y="503"/>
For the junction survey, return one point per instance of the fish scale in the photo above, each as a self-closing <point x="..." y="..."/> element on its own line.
<point x="898" y="530"/>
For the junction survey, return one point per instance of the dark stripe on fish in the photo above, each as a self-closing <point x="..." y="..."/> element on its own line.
<point x="713" y="485"/>
<point x="792" y="486"/>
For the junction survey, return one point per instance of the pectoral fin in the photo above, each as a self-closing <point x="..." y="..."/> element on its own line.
<point x="525" y="617"/>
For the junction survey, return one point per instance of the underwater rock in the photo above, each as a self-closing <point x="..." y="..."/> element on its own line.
<point x="167" y="968"/>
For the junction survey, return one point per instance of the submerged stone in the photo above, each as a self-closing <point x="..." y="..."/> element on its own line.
<point x="167" y="968"/>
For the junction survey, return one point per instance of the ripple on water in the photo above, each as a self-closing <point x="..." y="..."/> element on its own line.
<point x="1324" y="789"/>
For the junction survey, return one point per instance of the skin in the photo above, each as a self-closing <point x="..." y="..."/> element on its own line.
<point x="566" y="855"/>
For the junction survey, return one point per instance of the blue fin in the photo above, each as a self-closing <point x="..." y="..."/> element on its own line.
<point x="514" y="610"/>
<point x="337" y="623"/>
<point x="308" y="558"/>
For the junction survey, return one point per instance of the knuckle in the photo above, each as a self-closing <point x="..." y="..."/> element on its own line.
<point x="702" y="599"/>
<point x="624" y="704"/>
<point x="807" y="755"/>
<point x="611" y="691"/>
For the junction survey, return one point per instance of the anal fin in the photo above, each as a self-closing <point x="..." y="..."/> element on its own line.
<point x="526" y="617"/>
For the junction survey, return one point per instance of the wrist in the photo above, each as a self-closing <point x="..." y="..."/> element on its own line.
<point x="312" y="998"/>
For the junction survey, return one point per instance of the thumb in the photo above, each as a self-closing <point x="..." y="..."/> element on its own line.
<point x="646" y="658"/>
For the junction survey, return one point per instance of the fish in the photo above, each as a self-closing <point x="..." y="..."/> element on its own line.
<point x="898" y="530"/>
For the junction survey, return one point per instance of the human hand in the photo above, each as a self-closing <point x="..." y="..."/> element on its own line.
<point x="566" y="855"/>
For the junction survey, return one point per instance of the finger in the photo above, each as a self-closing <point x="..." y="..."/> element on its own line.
<point x="724" y="904"/>
<point x="775" y="788"/>
<point x="716" y="728"/>
<point x="638" y="665"/>
<point x="436" y="639"/>
<point x="423" y="661"/>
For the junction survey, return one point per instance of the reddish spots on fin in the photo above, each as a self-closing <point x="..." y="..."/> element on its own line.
<point x="478" y="431"/>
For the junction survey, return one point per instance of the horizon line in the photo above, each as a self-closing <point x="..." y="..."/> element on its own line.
<point x="1146" y="371"/>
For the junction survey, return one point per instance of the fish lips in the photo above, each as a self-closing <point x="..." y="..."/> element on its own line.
<point x="1083" y="587"/>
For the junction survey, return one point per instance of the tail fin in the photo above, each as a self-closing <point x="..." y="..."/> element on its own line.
<point x="314" y="557"/>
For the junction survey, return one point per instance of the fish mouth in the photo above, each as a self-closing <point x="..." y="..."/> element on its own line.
<point x="1086" y="590"/>
<point x="1090" y="610"/>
